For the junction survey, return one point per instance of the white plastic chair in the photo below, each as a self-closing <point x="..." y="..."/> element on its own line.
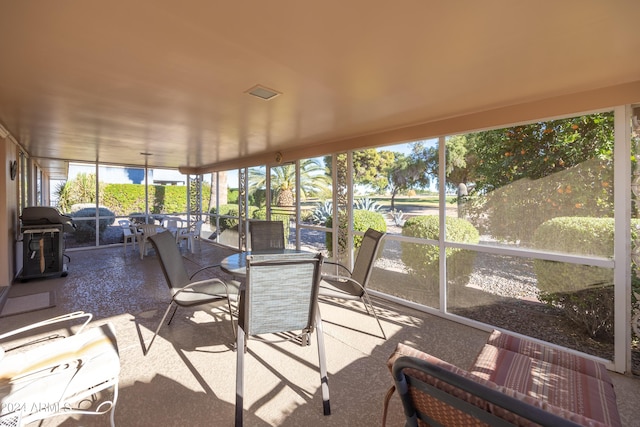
<point x="145" y="230"/>
<point x="56" y="375"/>
<point x="190" y="235"/>
<point x="129" y="235"/>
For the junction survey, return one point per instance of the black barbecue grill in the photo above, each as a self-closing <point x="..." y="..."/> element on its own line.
<point x="43" y="229"/>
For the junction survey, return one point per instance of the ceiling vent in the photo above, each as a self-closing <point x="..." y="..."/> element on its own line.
<point x="263" y="92"/>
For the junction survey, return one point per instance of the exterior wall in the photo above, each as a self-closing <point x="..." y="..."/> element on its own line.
<point x="8" y="215"/>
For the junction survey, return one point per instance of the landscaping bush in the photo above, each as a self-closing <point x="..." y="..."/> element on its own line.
<point x="362" y="221"/>
<point x="584" y="293"/>
<point x="423" y="260"/>
<point x="231" y="210"/>
<point x="86" y="228"/>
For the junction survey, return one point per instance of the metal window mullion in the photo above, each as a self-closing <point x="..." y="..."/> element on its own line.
<point x="622" y="238"/>
<point x="442" y="222"/>
<point x="297" y="203"/>
<point x="350" y="231"/>
<point x="97" y="214"/>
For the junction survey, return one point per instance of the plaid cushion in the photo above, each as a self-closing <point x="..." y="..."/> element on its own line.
<point x="448" y="415"/>
<point x="554" y="384"/>
<point x="548" y="354"/>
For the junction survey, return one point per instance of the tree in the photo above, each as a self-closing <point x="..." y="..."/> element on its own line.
<point x="527" y="174"/>
<point x="81" y="189"/>
<point x="461" y="160"/>
<point x="405" y="173"/>
<point x="313" y="181"/>
<point x="370" y="167"/>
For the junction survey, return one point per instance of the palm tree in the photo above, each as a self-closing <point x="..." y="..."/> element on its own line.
<point x="313" y="181"/>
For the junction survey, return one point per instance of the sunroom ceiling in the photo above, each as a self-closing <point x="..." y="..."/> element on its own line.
<point x="108" y="80"/>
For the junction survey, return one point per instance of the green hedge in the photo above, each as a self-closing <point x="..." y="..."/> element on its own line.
<point x="423" y="259"/>
<point x="584" y="293"/>
<point x="362" y="221"/>
<point x="573" y="235"/>
<point x="231" y="210"/>
<point x="123" y="199"/>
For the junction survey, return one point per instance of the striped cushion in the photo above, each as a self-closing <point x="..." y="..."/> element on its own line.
<point x="564" y="388"/>
<point x="548" y="354"/>
<point x="448" y="415"/>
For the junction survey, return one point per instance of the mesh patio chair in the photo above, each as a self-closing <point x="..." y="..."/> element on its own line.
<point x="266" y="235"/>
<point x="281" y="295"/>
<point x="185" y="292"/>
<point x="58" y="375"/>
<point x="353" y="284"/>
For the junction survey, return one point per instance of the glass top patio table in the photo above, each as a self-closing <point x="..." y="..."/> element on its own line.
<point x="236" y="264"/>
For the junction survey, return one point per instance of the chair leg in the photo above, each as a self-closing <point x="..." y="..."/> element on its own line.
<point x="172" y="314"/>
<point x="239" y="375"/>
<point x="158" y="328"/>
<point x="112" y="417"/>
<point x="366" y="300"/>
<point x="324" y="380"/>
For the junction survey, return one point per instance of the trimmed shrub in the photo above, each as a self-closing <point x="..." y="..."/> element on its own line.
<point x="573" y="235"/>
<point x="86" y="228"/>
<point x="231" y="210"/>
<point x="362" y="221"/>
<point x="423" y="260"/>
<point x="584" y="293"/>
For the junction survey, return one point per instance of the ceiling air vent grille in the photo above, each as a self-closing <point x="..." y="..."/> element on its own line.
<point x="263" y="92"/>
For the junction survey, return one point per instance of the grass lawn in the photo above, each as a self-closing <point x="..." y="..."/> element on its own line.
<point x="402" y="203"/>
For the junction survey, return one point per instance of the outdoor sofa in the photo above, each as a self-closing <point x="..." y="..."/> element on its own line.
<point x="512" y="380"/>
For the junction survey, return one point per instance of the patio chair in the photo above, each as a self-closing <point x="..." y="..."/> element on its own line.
<point x="353" y="284"/>
<point x="144" y="231"/>
<point x="57" y="375"/>
<point x="281" y="296"/>
<point x="172" y="223"/>
<point x="190" y="234"/>
<point x="129" y="235"/>
<point x="433" y="395"/>
<point x="185" y="292"/>
<point x="266" y="235"/>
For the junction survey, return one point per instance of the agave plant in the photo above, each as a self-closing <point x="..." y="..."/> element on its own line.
<point x="366" y="204"/>
<point x="397" y="217"/>
<point x="322" y="212"/>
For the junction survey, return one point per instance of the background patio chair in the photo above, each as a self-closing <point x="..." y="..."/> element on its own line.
<point x="190" y="235"/>
<point x="281" y="296"/>
<point x="144" y="231"/>
<point x="128" y="233"/>
<point x="57" y="375"/>
<point x="172" y="223"/>
<point x="185" y="292"/>
<point x="352" y="284"/>
<point x="266" y="235"/>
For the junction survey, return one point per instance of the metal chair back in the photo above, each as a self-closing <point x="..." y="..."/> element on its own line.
<point x="266" y="235"/>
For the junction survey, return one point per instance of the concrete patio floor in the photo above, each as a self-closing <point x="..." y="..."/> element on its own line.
<point x="188" y="377"/>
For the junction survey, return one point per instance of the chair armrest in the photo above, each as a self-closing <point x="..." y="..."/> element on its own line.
<point x="53" y="320"/>
<point x="202" y="269"/>
<point x="339" y="265"/>
<point x="204" y="282"/>
<point x="342" y="279"/>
